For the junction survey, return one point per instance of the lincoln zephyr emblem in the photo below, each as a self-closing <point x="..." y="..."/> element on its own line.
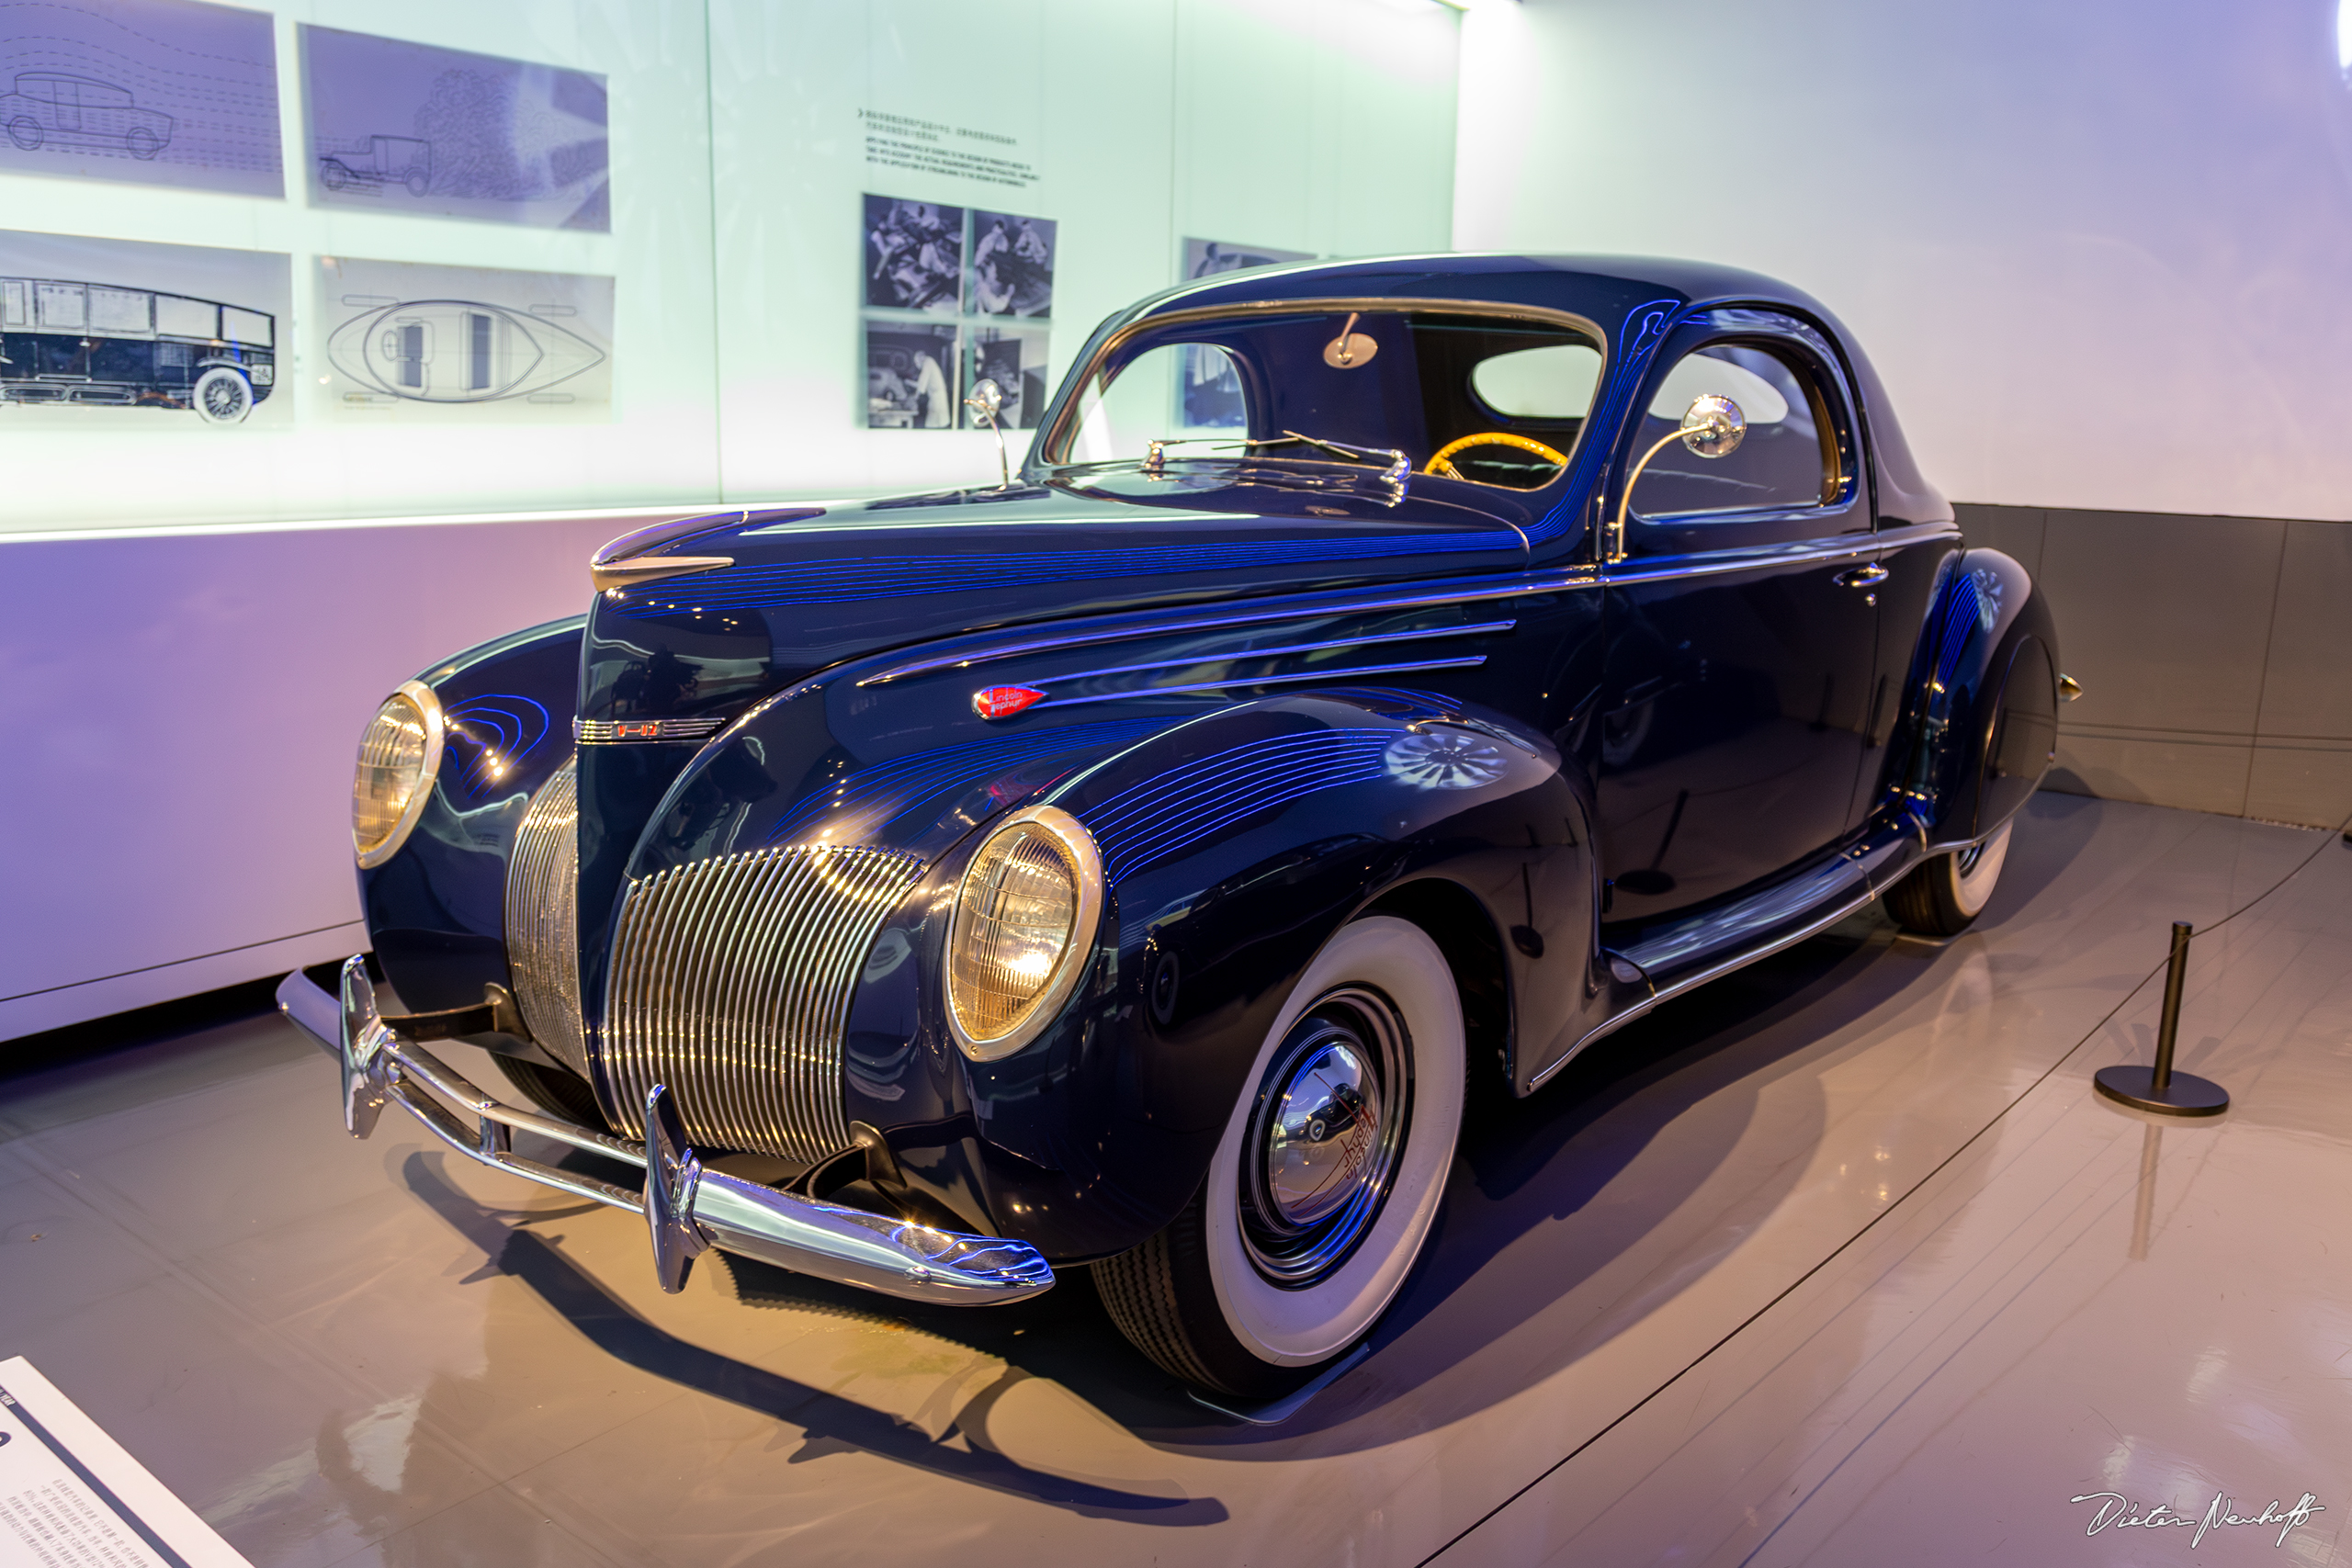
<point x="1003" y="702"/>
<point x="1444" y="759"/>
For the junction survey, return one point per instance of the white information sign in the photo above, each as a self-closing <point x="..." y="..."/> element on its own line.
<point x="71" y="1497"/>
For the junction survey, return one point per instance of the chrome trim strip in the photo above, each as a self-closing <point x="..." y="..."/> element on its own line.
<point x="850" y="1246"/>
<point x="1259" y="680"/>
<point x="543" y="919"/>
<point x="617" y="575"/>
<point x="1714" y="563"/>
<point x="1211" y="658"/>
<point x="730" y="983"/>
<point x="633" y="732"/>
<point x="1133" y="630"/>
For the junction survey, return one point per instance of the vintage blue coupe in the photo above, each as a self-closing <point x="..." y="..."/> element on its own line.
<point x="1136" y="862"/>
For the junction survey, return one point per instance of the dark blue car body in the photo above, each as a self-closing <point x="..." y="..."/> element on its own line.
<point x="1662" y="766"/>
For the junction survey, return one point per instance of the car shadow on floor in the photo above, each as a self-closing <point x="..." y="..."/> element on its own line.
<point x="827" y="1420"/>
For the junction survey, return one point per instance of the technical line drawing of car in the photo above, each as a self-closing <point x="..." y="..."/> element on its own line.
<point x="63" y="341"/>
<point x="1146" y="863"/>
<point x="50" y="109"/>
<point x="459" y="351"/>
<point x="385" y="160"/>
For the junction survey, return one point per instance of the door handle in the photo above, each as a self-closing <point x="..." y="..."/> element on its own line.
<point x="1869" y="576"/>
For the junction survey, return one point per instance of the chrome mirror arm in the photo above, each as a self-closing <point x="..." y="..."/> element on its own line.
<point x="1712" y="426"/>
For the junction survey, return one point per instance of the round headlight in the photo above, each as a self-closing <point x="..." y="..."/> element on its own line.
<point x="1022" y="931"/>
<point x="398" y="758"/>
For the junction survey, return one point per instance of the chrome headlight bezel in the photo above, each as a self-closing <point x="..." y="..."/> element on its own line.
<point x="427" y="703"/>
<point x="1084" y="861"/>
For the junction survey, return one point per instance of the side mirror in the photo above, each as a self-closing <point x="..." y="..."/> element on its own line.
<point x="986" y="399"/>
<point x="1712" y="426"/>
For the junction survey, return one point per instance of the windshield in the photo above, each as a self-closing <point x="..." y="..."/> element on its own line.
<point x="1491" y="400"/>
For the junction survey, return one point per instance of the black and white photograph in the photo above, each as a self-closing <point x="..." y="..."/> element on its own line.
<point x="411" y="128"/>
<point x="914" y="255"/>
<point x="123" y="335"/>
<point x="1015" y="358"/>
<point x="1207" y="258"/>
<point x="910" y="376"/>
<point x="1012" y="266"/>
<point x="155" y="92"/>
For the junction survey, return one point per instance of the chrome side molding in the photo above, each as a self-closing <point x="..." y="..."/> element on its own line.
<point x="687" y="1208"/>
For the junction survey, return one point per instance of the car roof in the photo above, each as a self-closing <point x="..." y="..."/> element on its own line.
<point x="1621" y="295"/>
<point x="1598" y="286"/>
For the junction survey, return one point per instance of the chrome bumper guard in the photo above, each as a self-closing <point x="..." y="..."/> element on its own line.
<point x="687" y="1208"/>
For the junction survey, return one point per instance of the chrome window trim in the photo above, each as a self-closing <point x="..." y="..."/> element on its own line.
<point x="1063" y="427"/>
<point x="437" y="735"/>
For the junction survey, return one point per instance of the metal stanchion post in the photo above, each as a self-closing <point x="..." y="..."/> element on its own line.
<point x="2159" y="1088"/>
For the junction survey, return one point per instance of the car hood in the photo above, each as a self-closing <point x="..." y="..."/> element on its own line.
<point x="805" y="589"/>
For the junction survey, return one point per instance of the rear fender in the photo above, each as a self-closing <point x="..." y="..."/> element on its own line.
<point x="1984" y="685"/>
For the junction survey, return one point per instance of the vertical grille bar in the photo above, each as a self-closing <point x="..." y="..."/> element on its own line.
<point x="543" y="921"/>
<point x="730" y="984"/>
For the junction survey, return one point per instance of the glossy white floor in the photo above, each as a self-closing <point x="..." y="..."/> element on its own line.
<point x="1837" y="1262"/>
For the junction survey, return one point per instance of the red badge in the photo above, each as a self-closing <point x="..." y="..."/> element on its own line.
<point x="1003" y="702"/>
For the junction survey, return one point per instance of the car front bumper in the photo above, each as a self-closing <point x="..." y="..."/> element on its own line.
<point x="688" y="1208"/>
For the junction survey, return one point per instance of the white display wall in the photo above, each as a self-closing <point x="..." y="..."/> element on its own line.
<point x="743" y="137"/>
<point x="207" y="615"/>
<point x="2094" y="248"/>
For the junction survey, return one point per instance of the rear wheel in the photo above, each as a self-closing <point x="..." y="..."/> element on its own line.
<point x="1943" y="896"/>
<point x="221" y="396"/>
<point x="1326" y="1183"/>
<point x="25" y="131"/>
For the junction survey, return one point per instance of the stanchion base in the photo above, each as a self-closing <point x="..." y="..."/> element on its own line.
<point x="2187" y="1095"/>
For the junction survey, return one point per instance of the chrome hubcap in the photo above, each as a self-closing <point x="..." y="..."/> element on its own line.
<point x="1324" y="1138"/>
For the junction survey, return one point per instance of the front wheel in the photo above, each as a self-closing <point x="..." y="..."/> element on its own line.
<point x="1326" y="1183"/>
<point x="1943" y="895"/>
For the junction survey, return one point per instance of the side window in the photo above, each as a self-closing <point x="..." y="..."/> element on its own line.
<point x="1790" y="457"/>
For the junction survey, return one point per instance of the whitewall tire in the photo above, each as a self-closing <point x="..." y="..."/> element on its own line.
<point x="1943" y="896"/>
<point x="1326" y="1183"/>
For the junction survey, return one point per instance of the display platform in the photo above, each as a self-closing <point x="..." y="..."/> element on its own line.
<point x="1840" y="1261"/>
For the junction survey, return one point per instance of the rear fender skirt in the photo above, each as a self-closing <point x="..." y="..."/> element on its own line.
<point x="435" y="910"/>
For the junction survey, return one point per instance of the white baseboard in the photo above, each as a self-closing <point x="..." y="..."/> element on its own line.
<point x="87" y="999"/>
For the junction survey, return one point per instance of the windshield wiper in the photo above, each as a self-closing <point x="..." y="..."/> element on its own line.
<point x="1395" y="468"/>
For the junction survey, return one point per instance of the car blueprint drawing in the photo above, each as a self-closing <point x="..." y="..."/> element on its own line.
<point x="458" y="351"/>
<point x="49" y="109"/>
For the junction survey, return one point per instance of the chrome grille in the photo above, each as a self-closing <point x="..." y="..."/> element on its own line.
<point x="730" y="984"/>
<point x="543" y="921"/>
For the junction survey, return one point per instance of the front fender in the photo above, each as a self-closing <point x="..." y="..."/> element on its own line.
<point x="1985" y="683"/>
<point x="435" y="911"/>
<point x="1234" y="845"/>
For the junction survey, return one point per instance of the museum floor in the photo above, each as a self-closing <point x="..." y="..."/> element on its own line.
<point x="1838" y="1262"/>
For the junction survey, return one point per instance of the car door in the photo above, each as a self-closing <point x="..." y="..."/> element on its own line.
<point x="1741" y="624"/>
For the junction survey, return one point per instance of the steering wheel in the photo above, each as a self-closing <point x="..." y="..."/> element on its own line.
<point x="1438" y="466"/>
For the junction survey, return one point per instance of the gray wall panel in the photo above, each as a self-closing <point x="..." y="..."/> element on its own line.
<point x="2214" y="654"/>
